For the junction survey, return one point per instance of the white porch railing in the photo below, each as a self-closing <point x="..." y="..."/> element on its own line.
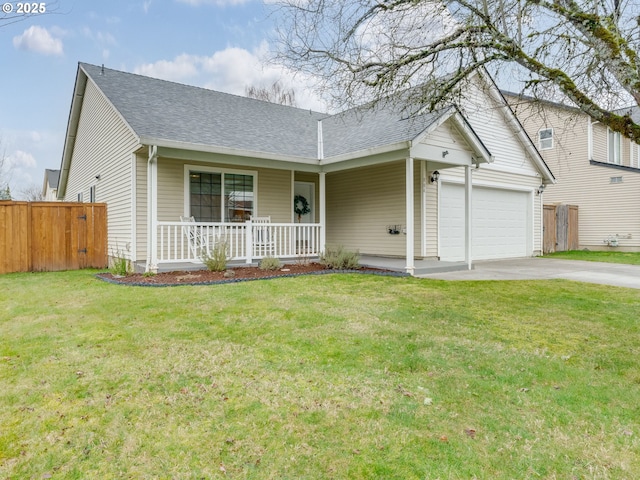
<point x="189" y="241"/>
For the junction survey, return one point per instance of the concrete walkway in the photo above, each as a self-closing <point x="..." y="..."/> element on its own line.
<point x="547" y="268"/>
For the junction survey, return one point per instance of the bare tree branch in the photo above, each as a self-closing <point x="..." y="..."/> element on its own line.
<point x="580" y="51"/>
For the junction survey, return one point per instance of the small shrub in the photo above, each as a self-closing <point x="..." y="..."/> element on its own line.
<point x="216" y="258"/>
<point x="340" y="259"/>
<point x="302" y="260"/>
<point x="120" y="264"/>
<point x="269" y="263"/>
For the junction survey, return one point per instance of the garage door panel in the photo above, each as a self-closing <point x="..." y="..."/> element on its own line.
<point x="499" y="223"/>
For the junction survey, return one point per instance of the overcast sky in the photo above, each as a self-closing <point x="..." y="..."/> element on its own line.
<point x="217" y="44"/>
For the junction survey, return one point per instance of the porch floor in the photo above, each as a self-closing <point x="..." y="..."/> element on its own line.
<point x="422" y="267"/>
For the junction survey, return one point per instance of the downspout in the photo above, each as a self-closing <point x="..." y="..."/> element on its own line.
<point x="152" y="210"/>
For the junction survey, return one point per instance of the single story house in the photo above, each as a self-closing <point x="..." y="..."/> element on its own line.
<point x="182" y="168"/>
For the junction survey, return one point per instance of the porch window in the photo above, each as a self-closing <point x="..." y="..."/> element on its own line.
<point x="545" y="138"/>
<point x="613" y="147"/>
<point x="221" y="196"/>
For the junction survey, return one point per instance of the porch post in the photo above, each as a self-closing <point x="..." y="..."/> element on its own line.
<point x="409" y="220"/>
<point x="323" y="210"/>
<point x="467" y="215"/>
<point x="152" y="210"/>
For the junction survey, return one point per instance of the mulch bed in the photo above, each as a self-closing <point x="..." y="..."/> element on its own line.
<point x="240" y="274"/>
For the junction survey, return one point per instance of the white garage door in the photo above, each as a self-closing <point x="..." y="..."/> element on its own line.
<point x="500" y="222"/>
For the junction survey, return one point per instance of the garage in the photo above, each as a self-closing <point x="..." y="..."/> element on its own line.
<point x="501" y="221"/>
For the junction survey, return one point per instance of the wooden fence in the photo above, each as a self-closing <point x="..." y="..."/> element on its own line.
<point x="50" y="236"/>
<point x="560" y="225"/>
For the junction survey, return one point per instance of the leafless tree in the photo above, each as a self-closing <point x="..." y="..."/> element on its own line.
<point x="5" y="174"/>
<point x="31" y="193"/>
<point x="582" y="52"/>
<point x="273" y="94"/>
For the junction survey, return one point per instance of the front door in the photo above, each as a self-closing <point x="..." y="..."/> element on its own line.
<point x="304" y="202"/>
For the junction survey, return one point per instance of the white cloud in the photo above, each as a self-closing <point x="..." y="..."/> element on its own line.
<point x="233" y="70"/>
<point x="38" y="39"/>
<point x="20" y="159"/>
<point x="181" y="68"/>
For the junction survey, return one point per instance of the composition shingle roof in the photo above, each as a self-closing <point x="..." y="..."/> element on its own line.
<point x="163" y="110"/>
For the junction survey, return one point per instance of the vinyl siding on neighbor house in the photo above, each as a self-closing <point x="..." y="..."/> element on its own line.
<point x="103" y="147"/>
<point x="605" y="209"/>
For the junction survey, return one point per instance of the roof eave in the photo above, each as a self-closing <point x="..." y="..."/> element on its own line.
<point x="217" y="149"/>
<point x="72" y="130"/>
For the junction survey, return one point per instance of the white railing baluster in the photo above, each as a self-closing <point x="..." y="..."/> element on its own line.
<point x="186" y="242"/>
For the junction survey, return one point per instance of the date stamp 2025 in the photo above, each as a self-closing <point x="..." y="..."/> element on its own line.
<point x="25" y="8"/>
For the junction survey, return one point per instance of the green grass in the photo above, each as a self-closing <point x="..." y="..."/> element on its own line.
<point x="318" y="377"/>
<point x="632" y="258"/>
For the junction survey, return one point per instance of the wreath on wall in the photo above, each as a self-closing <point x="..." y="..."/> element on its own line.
<point x="300" y="206"/>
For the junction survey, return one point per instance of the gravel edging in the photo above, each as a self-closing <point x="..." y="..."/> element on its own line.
<point x="239" y="280"/>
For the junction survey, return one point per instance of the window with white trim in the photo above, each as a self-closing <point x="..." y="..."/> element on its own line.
<point x="92" y="194"/>
<point x="221" y="196"/>
<point x="545" y="138"/>
<point x="80" y="197"/>
<point x="613" y="147"/>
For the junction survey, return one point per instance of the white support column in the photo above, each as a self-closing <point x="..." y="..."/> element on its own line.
<point x="423" y="208"/>
<point x="152" y="210"/>
<point x="410" y="217"/>
<point x="467" y="215"/>
<point x="322" y="185"/>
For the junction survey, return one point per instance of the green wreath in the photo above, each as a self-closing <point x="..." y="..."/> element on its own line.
<point x="300" y="206"/>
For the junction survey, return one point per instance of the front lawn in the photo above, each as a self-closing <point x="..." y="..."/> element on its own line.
<point x="333" y="376"/>
<point x="631" y="258"/>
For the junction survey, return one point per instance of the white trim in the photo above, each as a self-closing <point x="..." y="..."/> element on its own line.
<point x="293" y="194"/>
<point x="152" y="210"/>
<point x="134" y="208"/>
<point x="618" y="139"/>
<point x="423" y="208"/>
<point x="468" y="216"/>
<point x="540" y="139"/>
<point x="589" y="139"/>
<point x="222" y="171"/>
<point x="489" y="184"/>
<point x="322" y="186"/>
<point x="410" y="268"/>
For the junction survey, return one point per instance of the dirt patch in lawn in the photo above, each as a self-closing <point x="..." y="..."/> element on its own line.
<point x="199" y="277"/>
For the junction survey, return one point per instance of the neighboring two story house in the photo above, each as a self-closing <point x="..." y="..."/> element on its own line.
<point x="596" y="169"/>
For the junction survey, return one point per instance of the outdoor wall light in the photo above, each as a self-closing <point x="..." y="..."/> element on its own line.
<point x="435" y="176"/>
<point x="98" y="177"/>
<point x="541" y="189"/>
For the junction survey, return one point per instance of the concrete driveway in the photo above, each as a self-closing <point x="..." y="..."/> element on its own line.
<point x="546" y="268"/>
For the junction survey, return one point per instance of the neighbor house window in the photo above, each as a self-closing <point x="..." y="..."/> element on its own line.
<point x="545" y="138"/>
<point x="92" y="194"/>
<point x="80" y="197"/>
<point x="221" y="196"/>
<point x="613" y="147"/>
